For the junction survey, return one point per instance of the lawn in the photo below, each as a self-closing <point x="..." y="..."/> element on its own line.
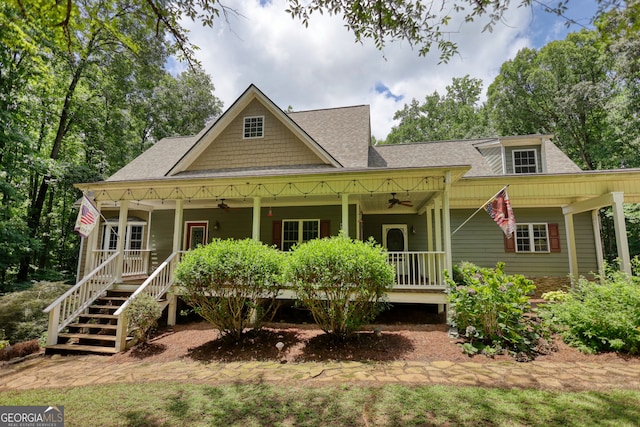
<point x="180" y="404"/>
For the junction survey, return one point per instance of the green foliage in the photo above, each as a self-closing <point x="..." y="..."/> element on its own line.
<point x="142" y="316"/>
<point x="231" y="283"/>
<point x="343" y="282"/>
<point x="489" y="310"/>
<point x="21" y="314"/>
<point x="600" y="317"/>
<point x="456" y="115"/>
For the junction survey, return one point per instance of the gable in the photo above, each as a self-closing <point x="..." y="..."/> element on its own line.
<point x="278" y="147"/>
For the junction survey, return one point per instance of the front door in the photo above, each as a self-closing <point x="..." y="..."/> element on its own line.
<point x="394" y="238"/>
<point x="196" y="234"/>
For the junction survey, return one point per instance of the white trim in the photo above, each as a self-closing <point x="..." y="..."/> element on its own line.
<point x="300" y="222"/>
<point x="525" y="150"/>
<point x="244" y="127"/>
<point x="187" y="237"/>
<point x="532" y="245"/>
<point x="403" y="230"/>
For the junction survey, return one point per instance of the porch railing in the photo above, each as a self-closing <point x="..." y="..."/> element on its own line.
<point x="158" y="283"/>
<point x="135" y="262"/>
<point x="418" y="270"/>
<point x="73" y="302"/>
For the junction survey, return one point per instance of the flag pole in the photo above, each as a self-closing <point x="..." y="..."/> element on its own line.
<point x="479" y="209"/>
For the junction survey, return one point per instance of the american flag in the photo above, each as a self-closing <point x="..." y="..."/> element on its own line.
<point x="87" y="217"/>
<point x="500" y="210"/>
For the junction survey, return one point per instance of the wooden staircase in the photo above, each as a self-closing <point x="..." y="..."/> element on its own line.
<point x="93" y="331"/>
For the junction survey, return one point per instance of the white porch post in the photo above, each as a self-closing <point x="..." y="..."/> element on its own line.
<point x="122" y="233"/>
<point x="595" y="221"/>
<point x="571" y="247"/>
<point x="621" y="232"/>
<point x="437" y="214"/>
<point x="345" y="214"/>
<point x="177" y="225"/>
<point x="91" y="243"/>
<point x="446" y="223"/>
<point x="257" y="206"/>
<point x="177" y="246"/>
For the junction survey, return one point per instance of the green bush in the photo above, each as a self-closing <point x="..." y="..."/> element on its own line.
<point x="231" y="283"/>
<point x="600" y="317"/>
<point x="489" y="309"/>
<point x="21" y="314"/>
<point x="343" y="282"/>
<point x="142" y="315"/>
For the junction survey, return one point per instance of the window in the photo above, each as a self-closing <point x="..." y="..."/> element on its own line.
<point x="532" y="238"/>
<point x="133" y="238"/>
<point x="253" y="127"/>
<point x="525" y="161"/>
<point x="299" y="231"/>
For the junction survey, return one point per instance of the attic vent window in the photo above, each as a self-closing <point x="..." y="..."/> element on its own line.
<point x="254" y="127"/>
<point x="525" y="161"/>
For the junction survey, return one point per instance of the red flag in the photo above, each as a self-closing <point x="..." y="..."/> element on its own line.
<point x="87" y="217"/>
<point x="500" y="210"/>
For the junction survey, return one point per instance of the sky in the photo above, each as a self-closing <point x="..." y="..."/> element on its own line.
<point x="322" y="66"/>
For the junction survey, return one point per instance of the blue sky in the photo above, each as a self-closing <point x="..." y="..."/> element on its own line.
<point x="323" y="67"/>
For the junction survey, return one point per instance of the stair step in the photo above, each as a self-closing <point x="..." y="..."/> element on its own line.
<point x="112" y="298"/>
<point x="98" y="316"/>
<point x="84" y="348"/>
<point x="108" y="307"/>
<point x="88" y="336"/>
<point x="93" y="325"/>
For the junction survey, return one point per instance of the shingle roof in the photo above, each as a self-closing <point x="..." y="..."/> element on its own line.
<point x="431" y="154"/>
<point x="343" y="132"/>
<point x="156" y="161"/>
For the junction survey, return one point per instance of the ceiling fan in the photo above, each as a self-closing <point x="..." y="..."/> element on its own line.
<point x="223" y="205"/>
<point x="394" y="201"/>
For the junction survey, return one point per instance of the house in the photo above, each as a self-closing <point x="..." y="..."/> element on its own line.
<point x="282" y="178"/>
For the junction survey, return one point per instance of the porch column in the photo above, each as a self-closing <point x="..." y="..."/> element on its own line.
<point x="437" y="215"/>
<point x="446" y="223"/>
<point x="571" y="247"/>
<point x="429" y="218"/>
<point x="621" y="232"/>
<point x="91" y="244"/>
<point x="257" y="207"/>
<point x="345" y="215"/>
<point x="177" y="225"/>
<point x="595" y="221"/>
<point x="122" y="234"/>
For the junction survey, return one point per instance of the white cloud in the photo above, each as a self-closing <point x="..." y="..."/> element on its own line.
<point x="323" y="67"/>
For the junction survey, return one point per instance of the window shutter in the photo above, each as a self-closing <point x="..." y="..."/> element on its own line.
<point x="510" y="244"/>
<point x="325" y="228"/>
<point x="554" y="237"/>
<point x="277" y="234"/>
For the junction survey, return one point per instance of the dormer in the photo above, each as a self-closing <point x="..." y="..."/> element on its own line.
<point x="516" y="155"/>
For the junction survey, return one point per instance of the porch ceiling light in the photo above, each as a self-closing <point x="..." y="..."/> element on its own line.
<point x="270" y="213"/>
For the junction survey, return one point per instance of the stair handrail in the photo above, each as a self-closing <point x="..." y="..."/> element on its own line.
<point x="157" y="284"/>
<point x="64" y="309"/>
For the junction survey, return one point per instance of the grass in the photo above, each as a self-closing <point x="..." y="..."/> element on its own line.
<point x="246" y="405"/>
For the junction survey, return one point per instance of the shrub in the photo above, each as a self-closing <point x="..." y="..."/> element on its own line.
<point x="489" y="309"/>
<point x="142" y="315"/>
<point x="21" y="314"/>
<point x="20" y="349"/>
<point x="231" y="283"/>
<point x="343" y="282"/>
<point x="600" y="317"/>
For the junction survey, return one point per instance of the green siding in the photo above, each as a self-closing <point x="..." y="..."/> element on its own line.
<point x="493" y="156"/>
<point x="372" y="227"/>
<point x="161" y="237"/>
<point x="482" y="242"/>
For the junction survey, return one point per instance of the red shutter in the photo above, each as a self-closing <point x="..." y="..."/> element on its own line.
<point x="554" y="237"/>
<point x="510" y="244"/>
<point x="325" y="228"/>
<point x="277" y="234"/>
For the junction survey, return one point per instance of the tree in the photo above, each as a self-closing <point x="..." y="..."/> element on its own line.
<point x="456" y="115"/>
<point x="566" y="88"/>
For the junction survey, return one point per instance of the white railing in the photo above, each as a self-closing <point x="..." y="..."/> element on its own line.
<point x="135" y="262"/>
<point x="73" y="302"/>
<point x="157" y="284"/>
<point x="418" y="270"/>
